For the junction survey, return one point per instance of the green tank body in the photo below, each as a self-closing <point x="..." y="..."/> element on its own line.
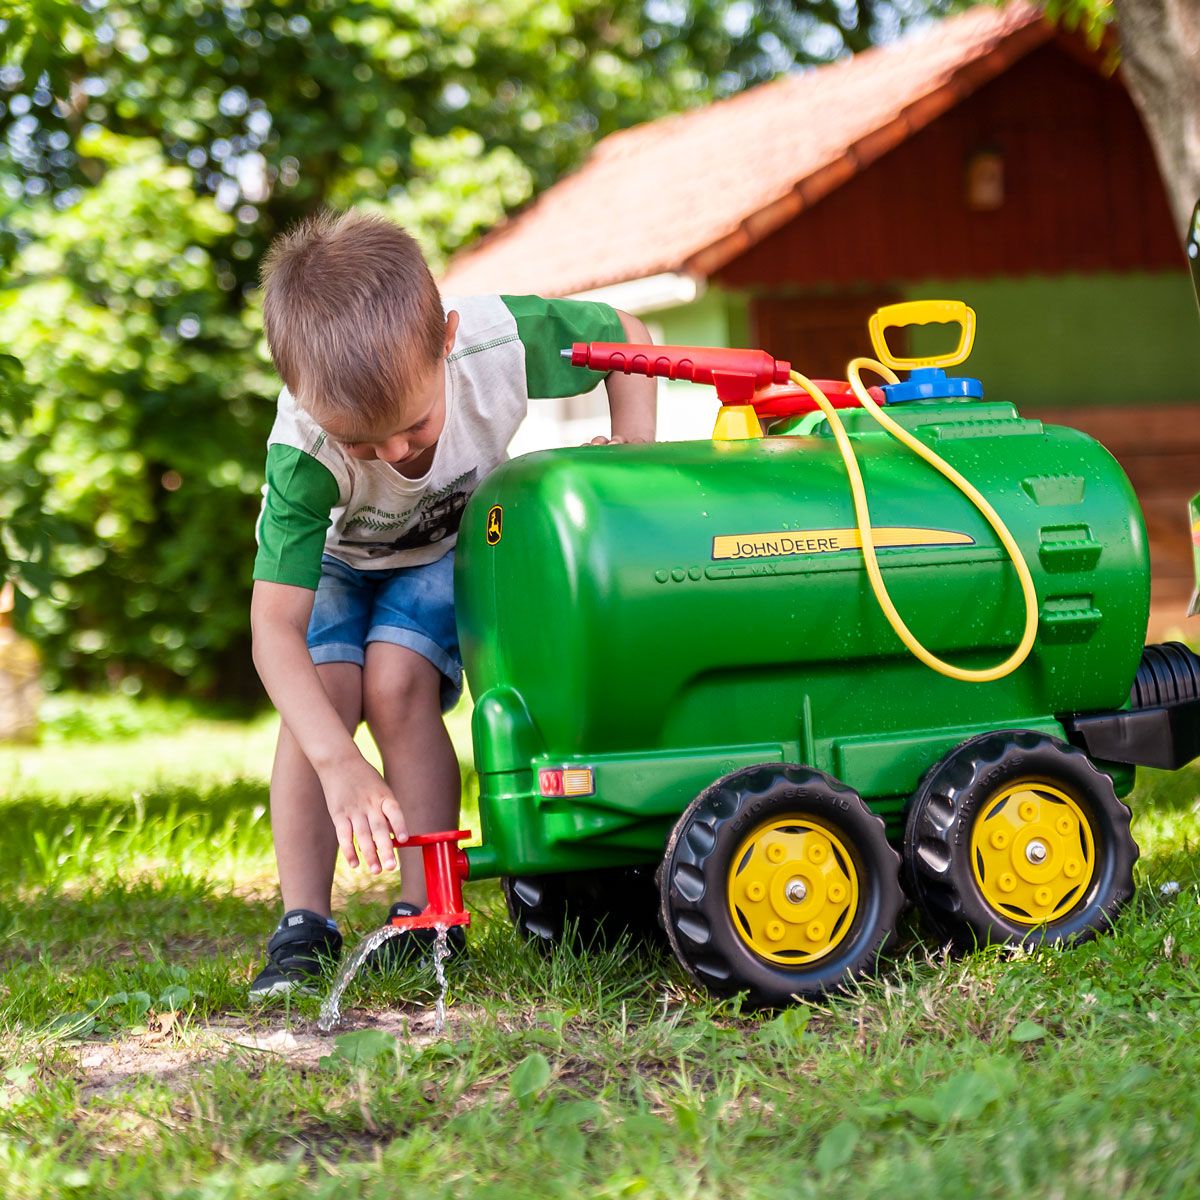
<point x="667" y="614"/>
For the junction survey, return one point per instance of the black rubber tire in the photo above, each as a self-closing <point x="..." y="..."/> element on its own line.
<point x="937" y="839"/>
<point x="1168" y="674"/>
<point x="693" y="883"/>
<point x="596" y="907"/>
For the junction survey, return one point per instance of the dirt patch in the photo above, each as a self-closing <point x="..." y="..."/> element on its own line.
<point x="178" y="1054"/>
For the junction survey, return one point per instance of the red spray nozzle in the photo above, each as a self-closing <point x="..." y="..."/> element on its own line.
<point x="736" y="374"/>
<point x="445" y="869"/>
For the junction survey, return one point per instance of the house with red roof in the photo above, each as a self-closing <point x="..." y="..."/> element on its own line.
<point x="991" y="158"/>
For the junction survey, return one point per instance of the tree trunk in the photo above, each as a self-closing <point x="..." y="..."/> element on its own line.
<point x="20" y="678"/>
<point x="1160" y="60"/>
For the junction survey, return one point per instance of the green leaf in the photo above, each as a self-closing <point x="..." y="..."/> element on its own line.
<point x="529" y="1076"/>
<point x="922" y="1108"/>
<point x="361" y="1048"/>
<point x="174" y="997"/>
<point x="686" y="1119"/>
<point x="1027" y="1031"/>
<point x="965" y="1096"/>
<point x="837" y="1147"/>
<point x="140" y="1002"/>
<point x="577" y="1112"/>
<point x="785" y="1030"/>
<point x="646" y="1127"/>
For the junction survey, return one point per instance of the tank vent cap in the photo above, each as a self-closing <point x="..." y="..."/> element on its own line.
<point x="932" y="383"/>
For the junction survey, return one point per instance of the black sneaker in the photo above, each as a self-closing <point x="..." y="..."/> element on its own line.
<point x="304" y="942"/>
<point x="414" y="943"/>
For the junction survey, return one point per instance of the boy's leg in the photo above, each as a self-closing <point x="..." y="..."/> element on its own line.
<point x="305" y="842"/>
<point x="402" y="705"/>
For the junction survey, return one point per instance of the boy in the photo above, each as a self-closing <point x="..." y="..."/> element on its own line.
<point x="395" y="407"/>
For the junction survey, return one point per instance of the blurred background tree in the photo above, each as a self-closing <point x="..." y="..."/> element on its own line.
<point x="149" y="151"/>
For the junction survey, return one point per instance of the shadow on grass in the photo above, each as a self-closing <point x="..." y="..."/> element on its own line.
<point x="141" y="918"/>
<point x="59" y="844"/>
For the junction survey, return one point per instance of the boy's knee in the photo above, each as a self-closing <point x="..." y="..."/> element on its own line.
<point x="399" y="691"/>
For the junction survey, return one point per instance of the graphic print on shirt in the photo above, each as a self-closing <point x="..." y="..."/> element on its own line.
<point x="434" y="518"/>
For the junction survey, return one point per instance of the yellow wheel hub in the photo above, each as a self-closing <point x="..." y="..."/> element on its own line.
<point x="1032" y="852"/>
<point x="793" y="891"/>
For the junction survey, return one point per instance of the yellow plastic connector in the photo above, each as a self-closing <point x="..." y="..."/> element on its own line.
<point x="922" y="312"/>
<point x="736" y="423"/>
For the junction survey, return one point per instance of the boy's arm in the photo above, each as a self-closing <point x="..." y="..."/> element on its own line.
<point x="548" y="327"/>
<point x="632" y="399"/>
<point x="360" y="803"/>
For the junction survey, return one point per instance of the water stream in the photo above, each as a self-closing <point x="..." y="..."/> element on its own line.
<point x="441" y="952"/>
<point x="331" y="1009"/>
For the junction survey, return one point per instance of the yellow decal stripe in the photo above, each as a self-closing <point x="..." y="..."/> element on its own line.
<point x="828" y="541"/>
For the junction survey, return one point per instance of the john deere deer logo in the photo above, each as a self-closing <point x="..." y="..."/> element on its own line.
<point x="495" y="523"/>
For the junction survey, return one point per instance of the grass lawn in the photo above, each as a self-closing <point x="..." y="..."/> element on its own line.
<point x="138" y="891"/>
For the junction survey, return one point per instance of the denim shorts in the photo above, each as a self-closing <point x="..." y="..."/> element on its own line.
<point x="406" y="606"/>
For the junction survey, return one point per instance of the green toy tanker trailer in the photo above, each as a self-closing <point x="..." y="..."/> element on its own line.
<point x="714" y="686"/>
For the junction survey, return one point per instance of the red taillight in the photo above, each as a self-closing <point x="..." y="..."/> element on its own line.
<point x="566" y="781"/>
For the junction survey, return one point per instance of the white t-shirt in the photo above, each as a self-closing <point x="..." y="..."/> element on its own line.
<point x="317" y="499"/>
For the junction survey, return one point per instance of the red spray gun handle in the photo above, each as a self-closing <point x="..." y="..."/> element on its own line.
<point x="736" y="374"/>
<point x="445" y="869"/>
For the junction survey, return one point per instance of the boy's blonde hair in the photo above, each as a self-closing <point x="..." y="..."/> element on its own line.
<point x="352" y="316"/>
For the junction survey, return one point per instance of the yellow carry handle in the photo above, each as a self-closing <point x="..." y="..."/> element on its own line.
<point x="922" y="312"/>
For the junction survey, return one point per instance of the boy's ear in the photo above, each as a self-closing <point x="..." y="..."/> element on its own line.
<point x="451" y="330"/>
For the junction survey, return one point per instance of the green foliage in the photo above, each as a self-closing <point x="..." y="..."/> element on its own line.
<point x="25" y="538"/>
<point x="362" y="1048"/>
<point x="151" y="409"/>
<point x="72" y="717"/>
<point x="150" y="150"/>
<point x="1092" y="17"/>
<point x="529" y="1077"/>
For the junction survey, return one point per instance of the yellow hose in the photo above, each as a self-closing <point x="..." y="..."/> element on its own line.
<point x="862" y="515"/>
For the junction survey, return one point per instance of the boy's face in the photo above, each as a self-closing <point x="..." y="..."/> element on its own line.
<point x="419" y="425"/>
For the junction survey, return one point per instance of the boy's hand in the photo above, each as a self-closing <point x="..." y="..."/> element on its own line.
<point x="617" y="440"/>
<point x="364" y="810"/>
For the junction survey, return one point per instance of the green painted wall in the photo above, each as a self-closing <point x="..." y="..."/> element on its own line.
<point x="718" y="318"/>
<point x="1095" y="339"/>
<point x="1079" y="339"/>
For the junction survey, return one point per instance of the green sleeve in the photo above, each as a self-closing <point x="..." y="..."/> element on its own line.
<point x="547" y="327"/>
<point x="299" y="496"/>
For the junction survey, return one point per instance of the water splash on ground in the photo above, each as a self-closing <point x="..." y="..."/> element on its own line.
<point x="331" y="1010"/>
